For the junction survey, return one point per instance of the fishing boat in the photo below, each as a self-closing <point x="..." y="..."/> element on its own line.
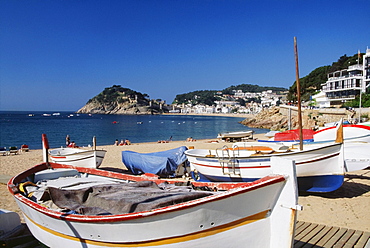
<point x="356" y="144"/>
<point x="293" y="135"/>
<point x="91" y="158"/>
<point x="97" y="208"/>
<point x="320" y="168"/>
<point x="235" y="135"/>
<point x="350" y="133"/>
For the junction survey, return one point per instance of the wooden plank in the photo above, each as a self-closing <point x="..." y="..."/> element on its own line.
<point x="311" y="234"/>
<point x="306" y="231"/>
<point x="297" y="225"/>
<point x="353" y="240"/>
<point x="301" y="228"/>
<point x="343" y="240"/>
<point x="364" y="240"/>
<point x="325" y="239"/>
<point x="317" y="237"/>
<point x="335" y="237"/>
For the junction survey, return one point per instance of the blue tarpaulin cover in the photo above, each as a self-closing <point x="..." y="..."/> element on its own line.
<point x="163" y="164"/>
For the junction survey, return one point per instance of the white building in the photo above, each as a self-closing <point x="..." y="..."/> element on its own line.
<point x="346" y="84"/>
<point x="321" y="100"/>
<point x="366" y="69"/>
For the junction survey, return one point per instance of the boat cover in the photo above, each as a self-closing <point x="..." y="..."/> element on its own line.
<point x="121" y="198"/>
<point x="163" y="164"/>
<point x="293" y="135"/>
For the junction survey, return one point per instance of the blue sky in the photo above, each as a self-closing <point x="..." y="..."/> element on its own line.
<point x="56" y="55"/>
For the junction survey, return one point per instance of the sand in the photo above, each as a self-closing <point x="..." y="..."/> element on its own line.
<point x="346" y="207"/>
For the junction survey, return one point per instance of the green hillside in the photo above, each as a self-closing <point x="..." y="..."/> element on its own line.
<point x="208" y="97"/>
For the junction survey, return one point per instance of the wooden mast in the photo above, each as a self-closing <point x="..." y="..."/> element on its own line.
<point x="298" y="95"/>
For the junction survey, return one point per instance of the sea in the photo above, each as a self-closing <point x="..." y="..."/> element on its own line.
<point x="20" y="127"/>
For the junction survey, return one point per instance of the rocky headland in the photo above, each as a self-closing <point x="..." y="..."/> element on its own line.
<point x="119" y="100"/>
<point x="279" y="118"/>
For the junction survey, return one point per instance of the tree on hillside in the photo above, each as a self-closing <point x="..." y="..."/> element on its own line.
<point x="206" y="97"/>
<point x="309" y="84"/>
<point x="118" y="94"/>
<point x="355" y="103"/>
<point x="251" y="88"/>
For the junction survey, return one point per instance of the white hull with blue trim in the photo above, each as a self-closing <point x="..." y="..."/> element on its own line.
<point x="320" y="168"/>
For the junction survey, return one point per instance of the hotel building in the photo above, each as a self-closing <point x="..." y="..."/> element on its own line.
<point x="346" y="84"/>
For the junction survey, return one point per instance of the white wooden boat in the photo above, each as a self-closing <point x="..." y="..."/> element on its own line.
<point x="355" y="153"/>
<point x="350" y="133"/>
<point x="356" y="144"/>
<point x="320" y="168"/>
<point x="235" y="135"/>
<point x="75" y="156"/>
<point x="78" y="157"/>
<point x="260" y="213"/>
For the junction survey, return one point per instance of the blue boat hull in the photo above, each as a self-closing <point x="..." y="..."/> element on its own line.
<point x="317" y="184"/>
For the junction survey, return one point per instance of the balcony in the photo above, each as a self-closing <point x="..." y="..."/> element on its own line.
<point x="355" y="67"/>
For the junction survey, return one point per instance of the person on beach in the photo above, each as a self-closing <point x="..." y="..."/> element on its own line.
<point x="122" y="143"/>
<point x="68" y="140"/>
<point x="127" y="142"/>
<point x="116" y="142"/>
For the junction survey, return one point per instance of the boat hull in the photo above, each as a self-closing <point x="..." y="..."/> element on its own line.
<point x="77" y="157"/>
<point x="253" y="211"/>
<point x="350" y="133"/>
<point x="318" y="164"/>
<point x="235" y="135"/>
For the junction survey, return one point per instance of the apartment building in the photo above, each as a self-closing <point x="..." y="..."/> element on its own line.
<point x="346" y="84"/>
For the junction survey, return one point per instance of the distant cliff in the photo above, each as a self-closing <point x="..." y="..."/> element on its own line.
<point x="277" y="118"/>
<point x="271" y="118"/>
<point x="119" y="100"/>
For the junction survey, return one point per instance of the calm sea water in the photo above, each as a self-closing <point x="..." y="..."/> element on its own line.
<point x="19" y="128"/>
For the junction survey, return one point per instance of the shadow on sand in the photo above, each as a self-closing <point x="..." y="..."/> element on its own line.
<point x="349" y="189"/>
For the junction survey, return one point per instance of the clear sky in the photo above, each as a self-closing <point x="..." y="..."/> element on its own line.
<point x="56" y="55"/>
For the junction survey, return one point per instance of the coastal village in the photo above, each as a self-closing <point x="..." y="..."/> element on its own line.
<point x="323" y="107"/>
<point x="184" y="124"/>
<point x="266" y="109"/>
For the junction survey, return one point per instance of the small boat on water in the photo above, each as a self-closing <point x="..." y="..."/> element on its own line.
<point x="66" y="206"/>
<point x="75" y="156"/>
<point x="235" y="135"/>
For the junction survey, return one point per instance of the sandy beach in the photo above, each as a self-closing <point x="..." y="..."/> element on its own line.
<point x="345" y="207"/>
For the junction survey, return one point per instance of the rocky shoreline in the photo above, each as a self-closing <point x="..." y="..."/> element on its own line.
<point x="274" y="118"/>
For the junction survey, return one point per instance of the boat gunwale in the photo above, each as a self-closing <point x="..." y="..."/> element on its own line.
<point x="234" y="189"/>
<point x="282" y="154"/>
<point x="81" y="151"/>
<point x="347" y="125"/>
